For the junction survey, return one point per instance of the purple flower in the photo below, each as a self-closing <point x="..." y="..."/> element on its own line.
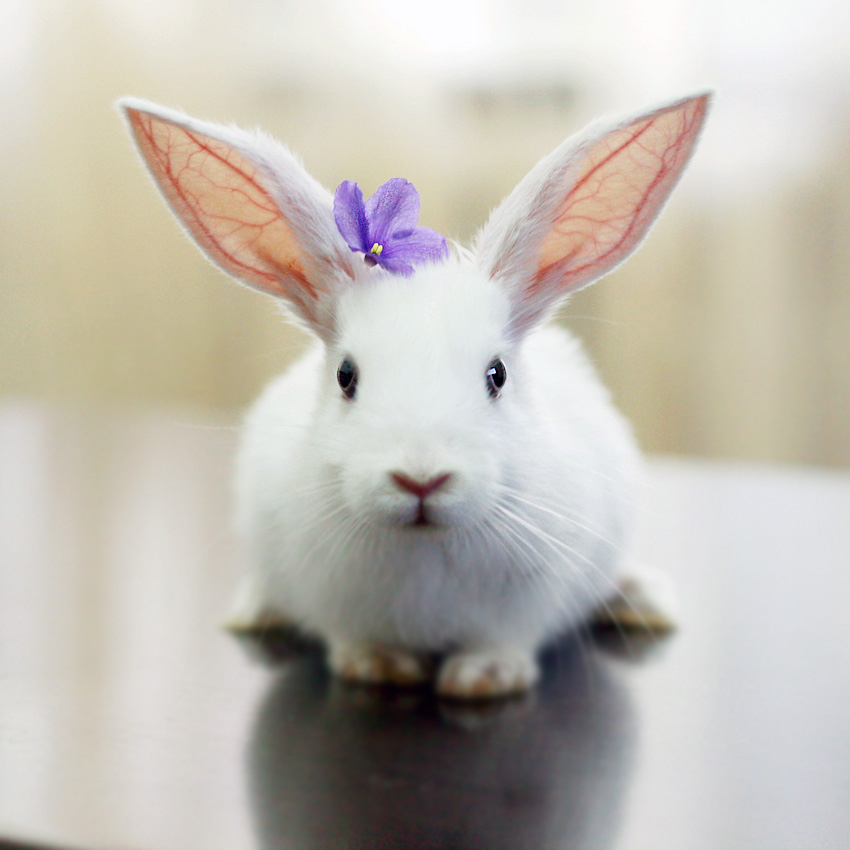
<point x="384" y="228"/>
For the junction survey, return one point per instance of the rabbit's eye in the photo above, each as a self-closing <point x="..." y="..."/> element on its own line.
<point x="347" y="377"/>
<point x="496" y="376"/>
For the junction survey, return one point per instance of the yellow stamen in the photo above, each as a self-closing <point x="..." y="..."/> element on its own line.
<point x="376" y="249"/>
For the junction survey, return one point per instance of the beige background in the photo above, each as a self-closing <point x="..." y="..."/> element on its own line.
<point x="727" y="335"/>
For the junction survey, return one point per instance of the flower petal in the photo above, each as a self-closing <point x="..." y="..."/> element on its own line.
<point x="423" y="245"/>
<point x="350" y="216"/>
<point x="392" y="210"/>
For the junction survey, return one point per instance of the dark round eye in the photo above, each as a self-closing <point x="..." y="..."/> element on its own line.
<point x="347" y="377"/>
<point x="496" y="376"/>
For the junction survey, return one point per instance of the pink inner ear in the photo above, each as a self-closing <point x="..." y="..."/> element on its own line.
<point x="216" y="193"/>
<point x="619" y="187"/>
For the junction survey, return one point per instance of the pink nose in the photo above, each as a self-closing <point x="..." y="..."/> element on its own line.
<point x="420" y="489"/>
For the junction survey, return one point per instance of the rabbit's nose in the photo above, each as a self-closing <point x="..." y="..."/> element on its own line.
<point x="420" y="489"/>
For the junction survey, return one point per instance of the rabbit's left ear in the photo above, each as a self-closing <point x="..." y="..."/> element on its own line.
<point x="249" y="205"/>
<point x="583" y="209"/>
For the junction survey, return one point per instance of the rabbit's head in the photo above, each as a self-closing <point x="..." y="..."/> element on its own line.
<point x="426" y="396"/>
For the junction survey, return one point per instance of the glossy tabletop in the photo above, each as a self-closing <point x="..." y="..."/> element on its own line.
<point x="129" y="719"/>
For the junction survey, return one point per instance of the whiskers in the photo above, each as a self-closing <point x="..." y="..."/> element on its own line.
<point x="550" y="546"/>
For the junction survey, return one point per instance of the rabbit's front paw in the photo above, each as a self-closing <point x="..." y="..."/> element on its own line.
<point x="377" y="665"/>
<point x="487" y="674"/>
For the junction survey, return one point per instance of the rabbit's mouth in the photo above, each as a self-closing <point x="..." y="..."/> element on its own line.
<point x="425" y="518"/>
<point x="422" y="519"/>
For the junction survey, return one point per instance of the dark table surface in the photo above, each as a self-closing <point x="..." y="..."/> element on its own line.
<point x="129" y="719"/>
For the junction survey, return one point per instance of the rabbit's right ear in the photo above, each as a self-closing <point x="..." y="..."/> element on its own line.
<point x="249" y="205"/>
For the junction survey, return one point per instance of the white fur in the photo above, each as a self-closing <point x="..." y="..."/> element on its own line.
<point x="526" y="535"/>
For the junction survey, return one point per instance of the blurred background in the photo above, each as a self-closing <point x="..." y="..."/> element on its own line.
<point x="727" y="335"/>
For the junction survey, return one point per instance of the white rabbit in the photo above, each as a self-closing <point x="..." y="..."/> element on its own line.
<point x="440" y="476"/>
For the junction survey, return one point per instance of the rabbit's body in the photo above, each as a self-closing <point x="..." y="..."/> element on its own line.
<point x="529" y="534"/>
<point x="440" y="474"/>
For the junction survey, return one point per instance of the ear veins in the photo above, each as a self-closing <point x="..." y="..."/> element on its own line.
<point x="563" y="216"/>
<point x="206" y="223"/>
<point x="627" y="225"/>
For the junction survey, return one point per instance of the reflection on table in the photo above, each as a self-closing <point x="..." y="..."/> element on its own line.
<point x="129" y="718"/>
